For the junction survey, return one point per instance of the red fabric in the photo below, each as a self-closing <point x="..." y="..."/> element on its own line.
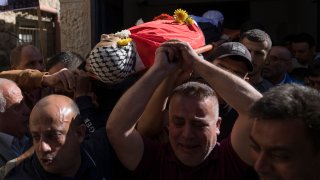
<point x="148" y="37"/>
<point x="163" y="17"/>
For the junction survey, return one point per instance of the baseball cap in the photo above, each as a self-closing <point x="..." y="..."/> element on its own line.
<point x="233" y="49"/>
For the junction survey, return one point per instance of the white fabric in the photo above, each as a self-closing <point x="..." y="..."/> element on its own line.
<point x="3" y="2"/>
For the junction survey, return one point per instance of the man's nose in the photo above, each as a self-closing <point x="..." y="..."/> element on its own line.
<point x="262" y="164"/>
<point x="187" y="131"/>
<point x="44" y="146"/>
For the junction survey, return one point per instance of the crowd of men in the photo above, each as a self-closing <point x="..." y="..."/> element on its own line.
<point x="246" y="110"/>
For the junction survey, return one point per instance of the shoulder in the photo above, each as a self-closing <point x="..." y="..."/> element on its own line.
<point x="228" y="161"/>
<point x="263" y="86"/>
<point x="25" y="170"/>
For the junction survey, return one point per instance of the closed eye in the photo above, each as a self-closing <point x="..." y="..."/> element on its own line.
<point x="253" y="145"/>
<point x="178" y="121"/>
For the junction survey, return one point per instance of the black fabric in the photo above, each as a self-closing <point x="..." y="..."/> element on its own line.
<point x="229" y="117"/>
<point x="88" y="113"/>
<point x="98" y="161"/>
<point x="108" y="96"/>
<point x="211" y="33"/>
<point x="263" y="86"/>
<point x="31" y="169"/>
<point x="106" y="18"/>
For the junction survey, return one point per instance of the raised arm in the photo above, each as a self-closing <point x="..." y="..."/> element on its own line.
<point x="154" y="118"/>
<point x="27" y="79"/>
<point x="30" y="79"/>
<point x="125" y="139"/>
<point x="235" y="91"/>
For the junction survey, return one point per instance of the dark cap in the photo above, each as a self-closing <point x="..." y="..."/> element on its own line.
<point x="233" y="49"/>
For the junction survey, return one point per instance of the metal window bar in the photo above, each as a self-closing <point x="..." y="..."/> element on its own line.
<point x="28" y="32"/>
<point x="29" y="35"/>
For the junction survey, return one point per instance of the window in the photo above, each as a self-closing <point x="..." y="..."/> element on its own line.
<point x="27" y="30"/>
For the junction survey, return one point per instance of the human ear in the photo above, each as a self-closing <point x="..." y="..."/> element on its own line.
<point x="218" y="125"/>
<point x="246" y="78"/>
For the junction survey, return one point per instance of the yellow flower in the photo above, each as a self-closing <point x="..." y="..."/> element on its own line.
<point x="180" y="15"/>
<point x="189" y="20"/>
<point x="124" y="42"/>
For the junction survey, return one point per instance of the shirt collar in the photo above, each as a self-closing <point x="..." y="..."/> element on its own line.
<point x="283" y="80"/>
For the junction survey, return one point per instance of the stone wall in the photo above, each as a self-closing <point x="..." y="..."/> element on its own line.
<point x="51" y="3"/>
<point x="8" y="42"/>
<point x="8" y="38"/>
<point x="8" y="35"/>
<point x="75" y="26"/>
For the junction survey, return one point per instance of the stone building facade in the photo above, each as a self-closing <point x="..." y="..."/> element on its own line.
<point x="75" y="26"/>
<point x="66" y="25"/>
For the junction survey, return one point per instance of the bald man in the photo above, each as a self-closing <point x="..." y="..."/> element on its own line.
<point x="60" y="149"/>
<point x="14" y="115"/>
<point x="276" y="66"/>
<point x="26" y="56"/>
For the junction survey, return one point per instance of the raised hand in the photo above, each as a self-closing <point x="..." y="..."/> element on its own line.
<point x="83" y="84"/>
<point x="63" y="79"/>
<point x="183" y="52"/>
<point x="165" y="59"/>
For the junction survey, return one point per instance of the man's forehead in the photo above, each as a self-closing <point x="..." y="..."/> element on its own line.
<point x="54" y="120"/>
<point x="276" y="127"/>
<point x="300" y="45"/>
<point x="51" y="110"/>
<point x="276" y="136"/>
<point x="46" y="124"/>
<point x="280" y="53"/>
<point x="180" y="103"/>
<point x="255" y="45"/>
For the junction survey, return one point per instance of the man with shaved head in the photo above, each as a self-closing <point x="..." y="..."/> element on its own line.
<point x="277" y="64"/>
<point x="60" y="149"/>
<point x="56" y="135"/>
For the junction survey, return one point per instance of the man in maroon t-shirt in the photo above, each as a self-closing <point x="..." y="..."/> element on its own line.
<point x="193" y="151"/>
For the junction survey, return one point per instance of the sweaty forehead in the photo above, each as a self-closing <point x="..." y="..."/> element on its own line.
<point x="45" y="113"/>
